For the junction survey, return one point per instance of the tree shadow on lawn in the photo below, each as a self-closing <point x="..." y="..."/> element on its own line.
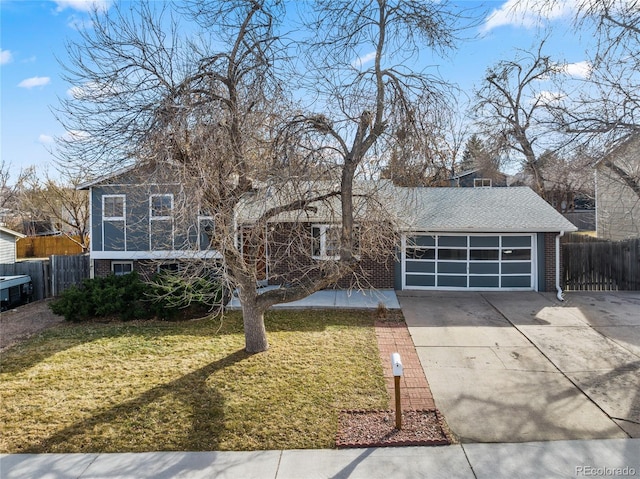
<point x="206" y="417"/>
<point x="38" y="348"/>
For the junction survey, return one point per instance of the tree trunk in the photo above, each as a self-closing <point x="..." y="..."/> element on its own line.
<point x="255" y="334"/>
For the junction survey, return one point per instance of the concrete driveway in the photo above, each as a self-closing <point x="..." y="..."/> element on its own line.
<point x="521" y="366"/>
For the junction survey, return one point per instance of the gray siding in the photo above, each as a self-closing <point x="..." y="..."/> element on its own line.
<point x="7" y="248"/>
<point x="617" y="205"/>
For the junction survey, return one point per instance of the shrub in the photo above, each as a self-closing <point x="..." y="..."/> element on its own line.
<point x="127" y="297"/>
<point x="170" y="292"/>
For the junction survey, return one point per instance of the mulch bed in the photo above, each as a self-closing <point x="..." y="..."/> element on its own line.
<point x="377" y="429"/>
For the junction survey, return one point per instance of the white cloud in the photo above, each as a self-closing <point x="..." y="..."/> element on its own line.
<point x="5" y="57"/>
<point x="361" y="61"/>
<point x="75" y="135"/>
<point x="579" y="69"/>
<point x="34" y="82"/>
<point x="76" y="22"/>
<point x="45" y="139"/>
<point x="92" y="91"/>
<point x="83" y="5"/>
<point x="548" y="97"/>
<point x="528" y="14"/>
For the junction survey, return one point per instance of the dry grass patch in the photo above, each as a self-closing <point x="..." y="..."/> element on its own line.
<point x="153" y="386"/>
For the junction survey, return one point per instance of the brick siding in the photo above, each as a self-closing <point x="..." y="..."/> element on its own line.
<point x="290" y="254"/>
<point x="550" y="261"/>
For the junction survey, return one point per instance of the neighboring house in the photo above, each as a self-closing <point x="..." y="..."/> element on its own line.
<point x="618" y="192"/>
<point x="134" y="224"/>
<point x="447" y="238"/>
<point x="477" y="178"/>
<point x="8" y="239"/>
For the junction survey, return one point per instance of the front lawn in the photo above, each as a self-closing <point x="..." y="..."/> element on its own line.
<point x="189" y="386"/>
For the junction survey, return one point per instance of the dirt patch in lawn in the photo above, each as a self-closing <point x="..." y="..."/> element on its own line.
<point x="25" y="321"/>
<point x="378" y="429"/>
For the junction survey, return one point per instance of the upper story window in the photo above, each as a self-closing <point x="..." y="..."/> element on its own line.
<point x="206" y="232"/>
<point x="113" y="207"/>
<point x="161" y="207"/>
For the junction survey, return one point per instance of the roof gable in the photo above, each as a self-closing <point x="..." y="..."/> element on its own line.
<point x="9" y="232"/>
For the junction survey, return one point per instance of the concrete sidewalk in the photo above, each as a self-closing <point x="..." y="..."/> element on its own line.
<point x="336" y="299"/>
<point x="560" y="459"/>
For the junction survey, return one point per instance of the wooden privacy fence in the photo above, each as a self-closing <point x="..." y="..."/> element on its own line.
<point x="52" y="276"/>
<point x="67" y="271"/>
<point x="45" y="246"/>
<point x="595" y="265"/>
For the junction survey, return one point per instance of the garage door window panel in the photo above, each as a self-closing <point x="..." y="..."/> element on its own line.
<point x="420" y="280"/>
<point x="516" y="255"/>
<point x="449" y="267"/>
<point x="516" y="241"/>
<point x="484" y="241"/>
<point x="421" y="253"/>
<point x="421" y="267"/>
<point x="421" y="241"/>
<point x="516" y="281"/>
<point x="452" y="241"/>
<point x="484" y="268"/>
<point x="484" y="282"/>
<point x="452" y="281"/>
<point x="484" y="255"/>
<point x="452" y="254"/>
<point x="516" y="268"/>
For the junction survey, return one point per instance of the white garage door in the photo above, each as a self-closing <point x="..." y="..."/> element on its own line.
<point x="478" y="262"/>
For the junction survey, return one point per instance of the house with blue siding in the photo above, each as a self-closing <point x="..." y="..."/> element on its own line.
<point x="135" y="223"/>
<point x="474" y="239"/>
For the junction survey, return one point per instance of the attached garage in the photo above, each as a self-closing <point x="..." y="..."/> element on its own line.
<point x="479" y="239"/>
<point x="456" y="261"/>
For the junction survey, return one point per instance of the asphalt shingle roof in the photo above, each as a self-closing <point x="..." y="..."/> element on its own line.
<point x="514" y="209"/>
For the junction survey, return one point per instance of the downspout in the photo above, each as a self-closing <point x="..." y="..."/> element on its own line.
<point x="560" y="294"/>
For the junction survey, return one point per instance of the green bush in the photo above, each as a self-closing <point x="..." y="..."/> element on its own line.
<point x="171" y="292"/>
<point x="127" y="297"/>
<point x="110" y="296"/>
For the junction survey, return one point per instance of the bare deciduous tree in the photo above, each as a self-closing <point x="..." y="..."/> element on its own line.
<point x="513" y="111"/>
<point x="217" y="107"/>
<point x="59" y="202"/>
<point x="602" y="110"/>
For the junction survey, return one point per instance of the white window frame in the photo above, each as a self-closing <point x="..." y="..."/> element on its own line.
<point x="124" y="208"/>
<point x="122" y="218"/>
<point x="121" y="263"/>
<point x="323" y="229"/>
<point x="208" y="220"/>
<point x="323" y="241"/>
<point x="153" y="217"/>
<point x="480" y="183"/>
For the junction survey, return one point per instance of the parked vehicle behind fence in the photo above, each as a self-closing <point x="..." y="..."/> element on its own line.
<point x="15" y="290"/>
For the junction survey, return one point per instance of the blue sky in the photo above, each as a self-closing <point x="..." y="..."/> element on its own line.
<point x="33" y="35"/>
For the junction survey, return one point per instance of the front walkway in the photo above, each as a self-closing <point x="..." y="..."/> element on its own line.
<point x="338" y="299"/>
<point x="415" y="393"/>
